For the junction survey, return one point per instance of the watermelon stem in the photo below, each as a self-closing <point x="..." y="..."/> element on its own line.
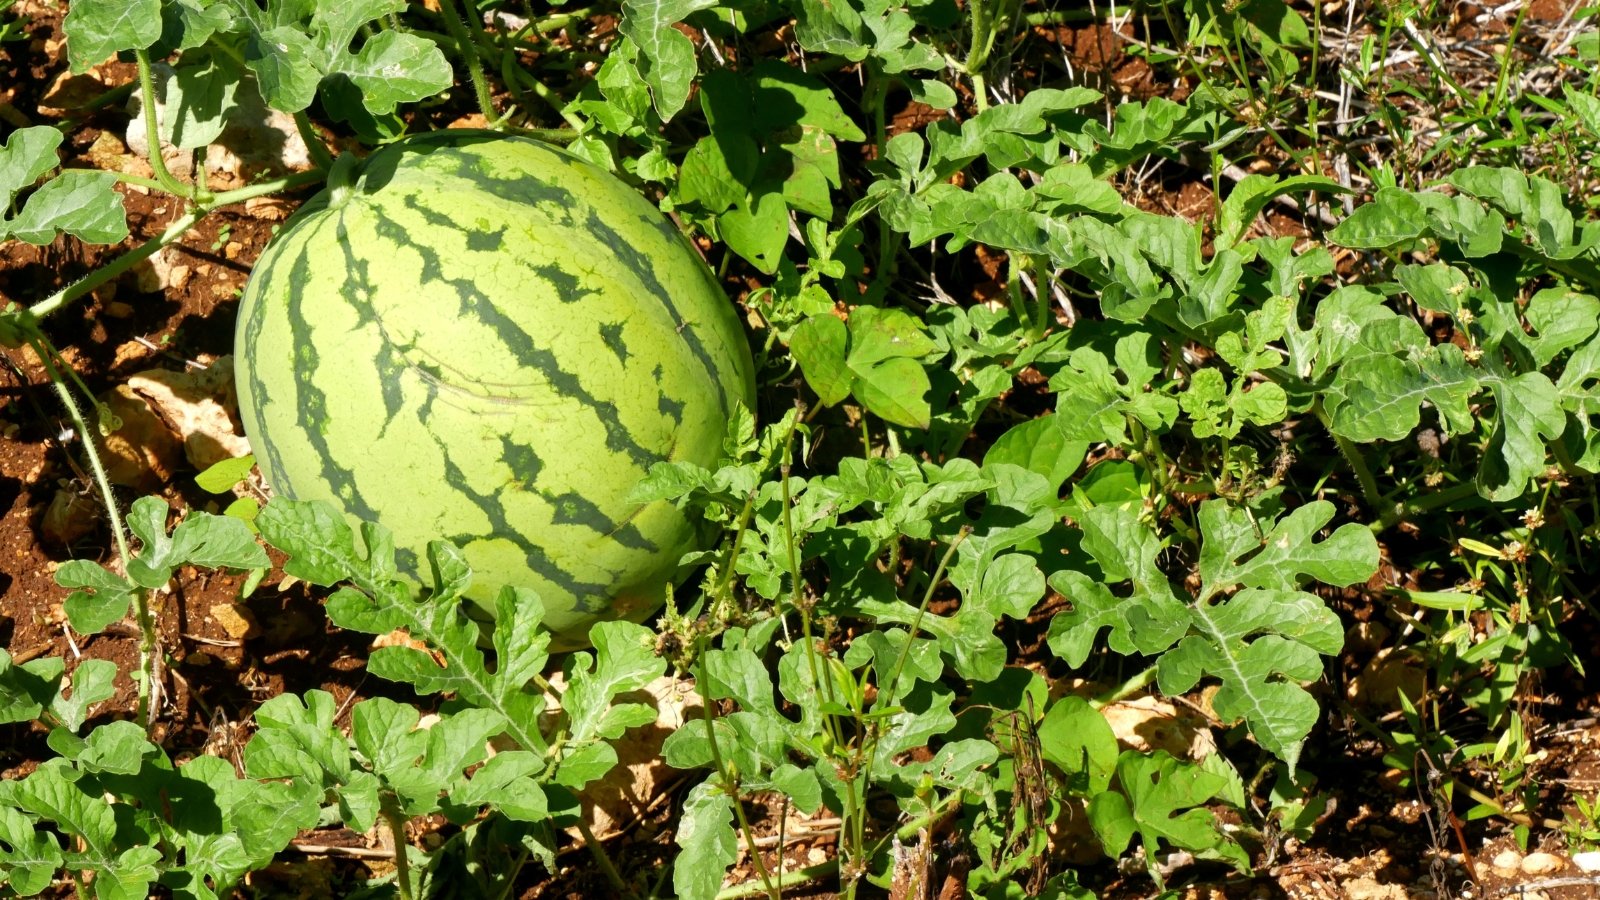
<point x="148" y="677"/>
<point x="341" y="179"/>
<point x="451" y="13"/>
<point x="313" y="141"/>
<point x="173" y="233"/>
<point x="730" y="786"/>
<point x="402" y="860"/>
<point x="152" y="132"/>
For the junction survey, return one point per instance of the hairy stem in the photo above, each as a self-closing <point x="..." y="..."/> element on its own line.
<point x="783" y="879"/>
<point x="152" y="131"/>
<point x="602" y="858"/>
<point x="308" y="133"/>
<point x="451" y="11"/>
<point x="730" y="785"/>
<point x="402" y="860"/>
<point x="149" y="649"/>
<point x="173" y="232"/>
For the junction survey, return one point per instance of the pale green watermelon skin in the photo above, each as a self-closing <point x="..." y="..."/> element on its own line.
<point x="488" y="340"/>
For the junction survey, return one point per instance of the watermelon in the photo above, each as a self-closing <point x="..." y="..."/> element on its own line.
<point x="486" y="339"/>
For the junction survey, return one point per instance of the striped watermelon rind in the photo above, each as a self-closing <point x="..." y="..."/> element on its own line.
<point x="486" y="339"/>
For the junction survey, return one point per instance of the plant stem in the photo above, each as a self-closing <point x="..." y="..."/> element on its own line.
<point x="152" y="131"/>
<point x="601" y="857"/>
<point x="148" y="639"/>
<point x="730" y="784"/>
<point x="887" y="692"/>
<point x="1399" y="512"/>
<point x="783" y="879"/>
<point x="402" y="860"/>
<point x="978" y="51"/>
<point x="1352" y="455"/>
<point x="1126" y="689"/>
<point x="173" y="232"/>
<point x="313" y="141"/>
<point x="451" y="13"/>
<point x="1060" y="16"/>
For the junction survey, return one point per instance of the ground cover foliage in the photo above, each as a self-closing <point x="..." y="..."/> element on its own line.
<point x="1029" y="442"/>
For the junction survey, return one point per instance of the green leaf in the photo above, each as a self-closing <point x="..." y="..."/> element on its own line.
<point x="117" y="748"/>
<point x="1260" y="673"/>
<point x="384" y="603"/>
<point x="1253" y="192"/>
<point x="1527" y="413"/>
<point x="757" y="232"/>
<point x="896" y="391"/>
<point x="51" y="793"/>
<point x="92" y="681"/>
<point x="624" y="660"/>
<point x="25" y="156"/>
<point x="295" y="47"/>
<point x="1039" y="445"/>
<point x="717" y="171"/>
<point x="1392" y="218"/>
<point x="78" y="202"/>
<point x="34" y="856"/>
<point x="394" y="68"/>
<point x="98" y="597"/>
<point x="1383" y="394"/>
<point x="97" y="29"/>
<point x="507" y="784"/>
<point x="279" y="58"/>
<point x="1163" y="800"/>
<point x="296" y="738"/>
<point x="1126" y="550"/>
<point x="201" y="539"/>
<point x="1075" y="737"/>
<point x="878" y="334"/>
<point x="1561" y="319"/>
<point x="819" y="345"/>
<point x="1438" y="286"/>
<point x="320" y="544"/>
<point x="221" y="476"/>
<point x="26" y="689"/>
<point x="668" y="63"/>
<point x="194" y="101"/>
<point x="707" y="841"/>
<point x="782" y="90"/>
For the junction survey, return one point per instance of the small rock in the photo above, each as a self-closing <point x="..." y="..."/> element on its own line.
<point x="68" y="92"/>
<point x="1507" y="863"/>
<point x="154" y="275"/>
<point x="143" y="452"/>
<point x="116" y="309"/>
<point x="232" y="250"/>
<point x="1368" y="888"/>
<point x="1588" y="860"/>
<point x="179" y="276"/>
<point x="271" y="209"/>
<point x="70" y="517"/>
<point x="236" y="620"/>
<point x="1541" y="864"/>
<point x="128" y="352"/>
<point x="199" y="407"/>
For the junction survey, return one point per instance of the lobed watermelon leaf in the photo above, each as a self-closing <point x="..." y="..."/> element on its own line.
<point x="78" y="202"/>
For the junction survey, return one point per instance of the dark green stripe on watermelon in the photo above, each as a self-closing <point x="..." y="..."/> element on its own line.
<point x="642" y="268"/>
<point x="311" y="411"/>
